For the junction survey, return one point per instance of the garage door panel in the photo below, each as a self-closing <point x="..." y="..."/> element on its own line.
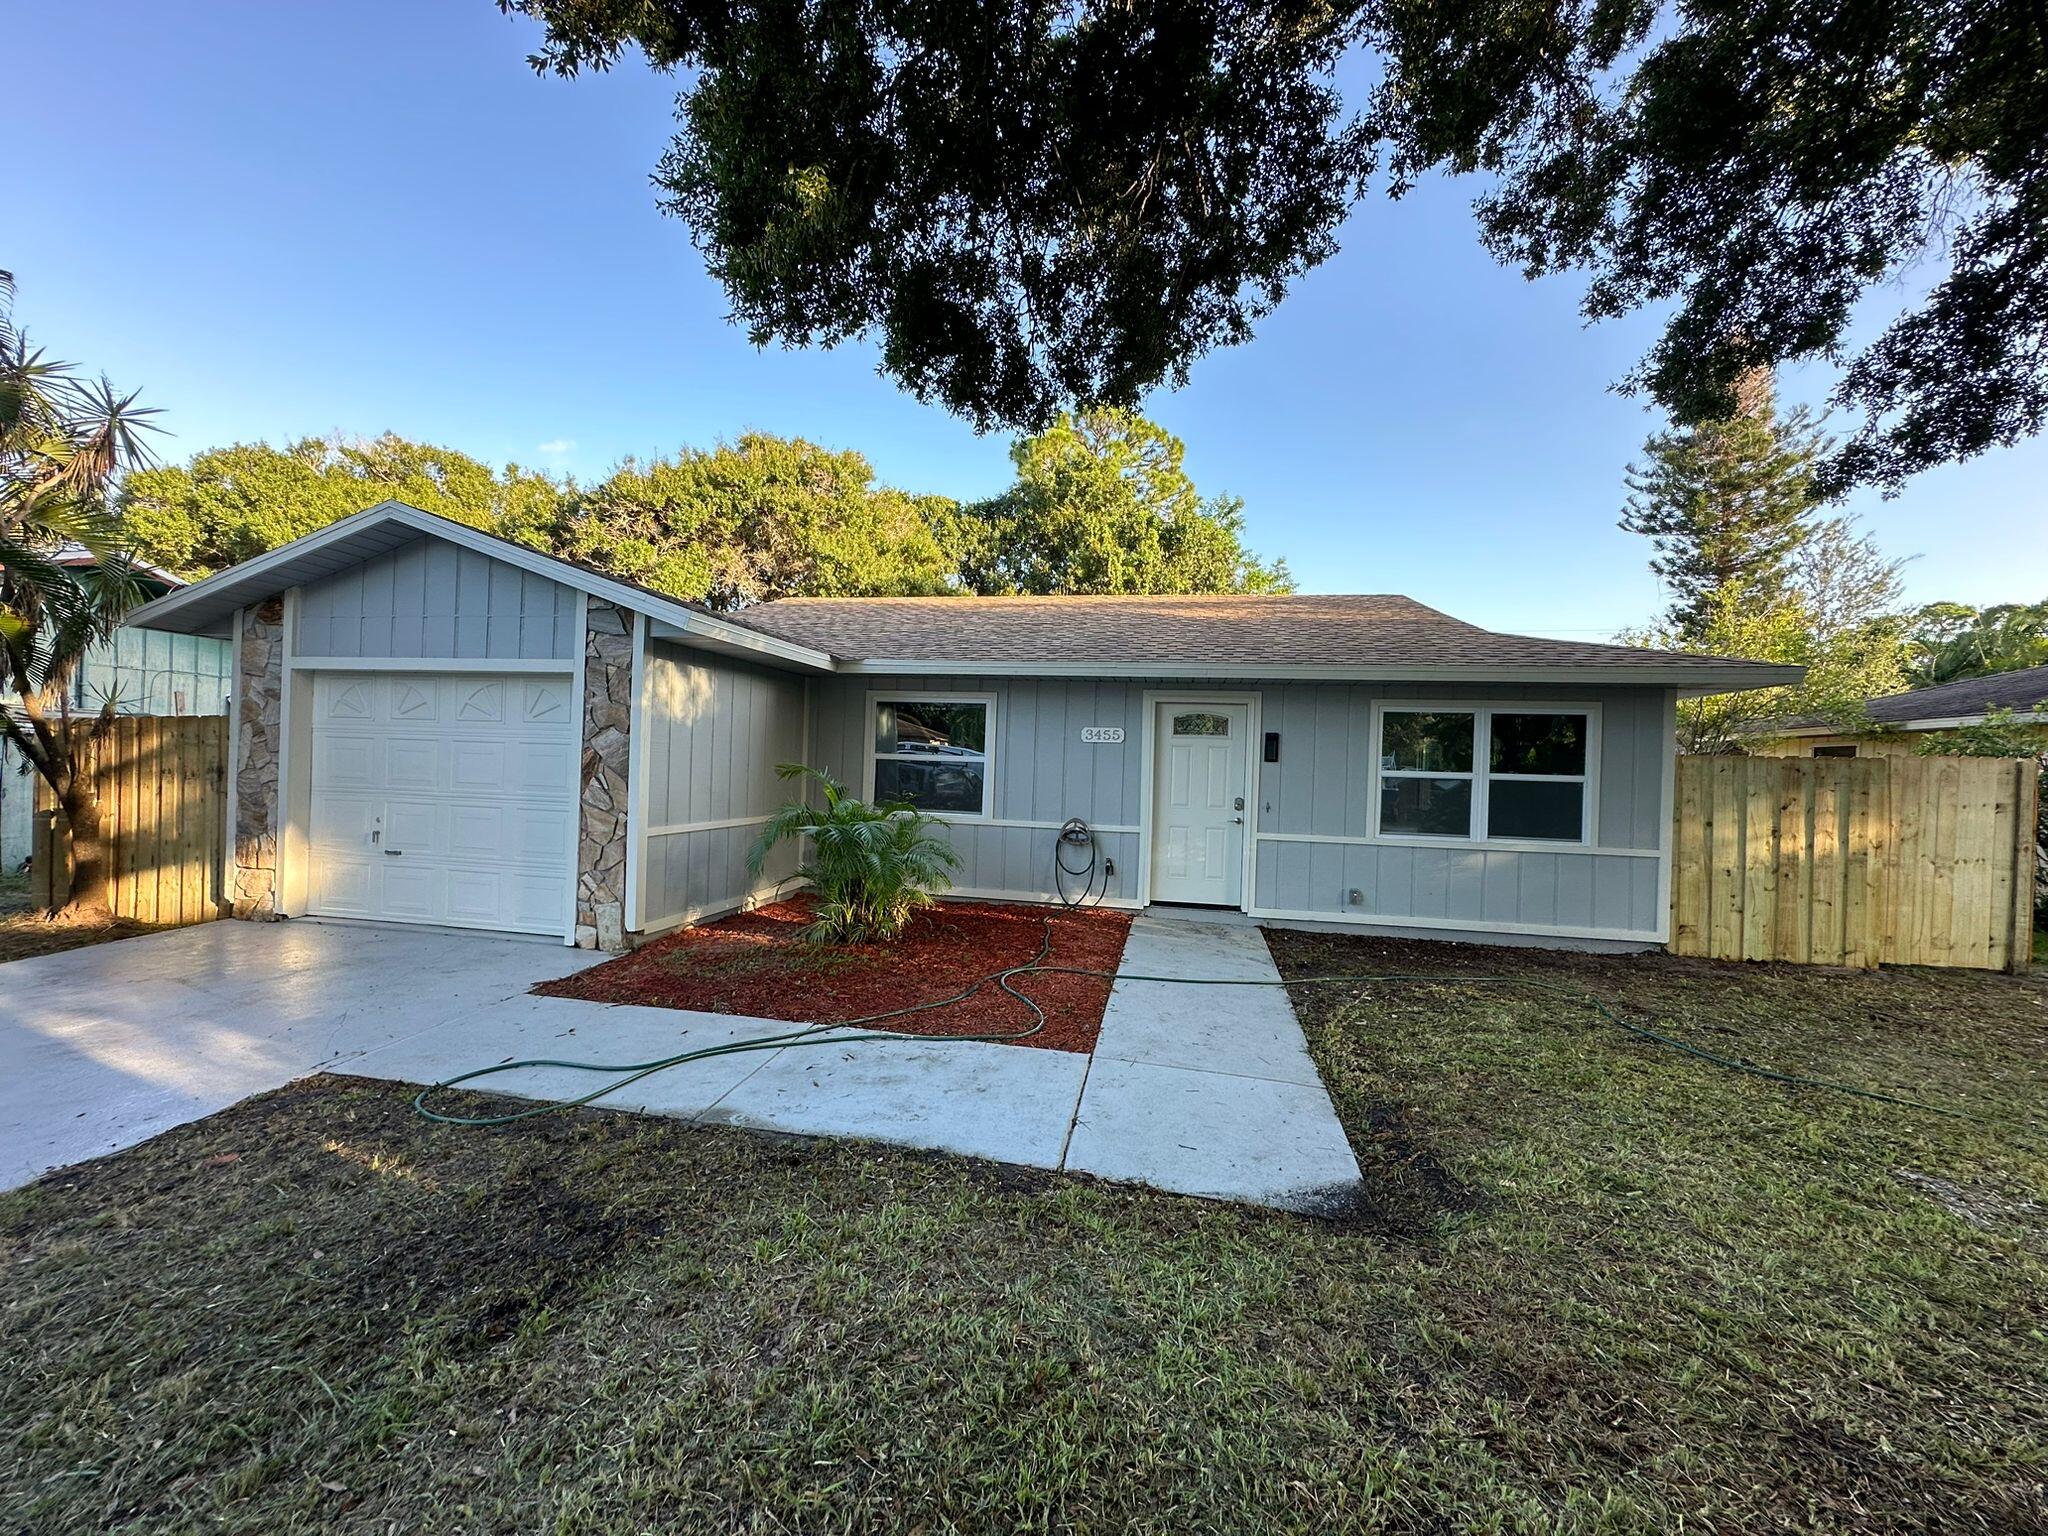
<point x="478" y="767"/>
<point x="545" y="703"/>
<point x="412" y="890"/>
<point x="539" y="835"/>
<point x="345" y="762"/>
<point x="465" y="782"/>
<point x="341" y="885"/>
<point x="416" y="700"/>
<point x="412" y="763"/>
<point x="535" y="901"/>
<point x="344" y="822"/>
<point x="475" y="831"/>
<point x="482" y="702"/>
<point x="351" y="701"/>
<point x="475" y="895"/>
<point x="413" y="827"/>
<point x="539" y="769"/>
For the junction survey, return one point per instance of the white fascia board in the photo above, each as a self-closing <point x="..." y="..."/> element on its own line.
<point x="728" y="639"/>
<point x="1689" y="680"/>
<point x="1955" y="722"/>
<point x="1905" y="727"/>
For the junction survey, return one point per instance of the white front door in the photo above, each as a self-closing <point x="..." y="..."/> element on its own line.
<point x="1198" y="795"/>
<point x="443" y="798"/>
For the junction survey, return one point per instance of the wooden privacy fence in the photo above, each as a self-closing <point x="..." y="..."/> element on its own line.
<point x="1855" y="861"/>
<point x="163" y="785"/>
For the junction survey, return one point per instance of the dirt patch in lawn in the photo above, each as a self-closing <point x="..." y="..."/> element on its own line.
<point x="758" y="964"/>
<point x="25" y="930"/>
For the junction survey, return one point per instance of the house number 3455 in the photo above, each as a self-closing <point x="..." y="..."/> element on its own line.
<point x="1100" y="733"/>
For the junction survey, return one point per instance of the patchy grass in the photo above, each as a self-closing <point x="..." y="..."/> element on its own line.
<point x="25" y="931"/>
<point x="1604" y="1289"/>
<point x="1777" y="1306"/>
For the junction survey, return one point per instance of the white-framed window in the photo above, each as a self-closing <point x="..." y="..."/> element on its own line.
<point x="1492" y="773"/>
<point x="934" y="751"/>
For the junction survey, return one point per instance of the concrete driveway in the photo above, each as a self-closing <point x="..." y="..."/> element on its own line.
<point x="106" y="1046"/>
<point x="1201" y="1091"/>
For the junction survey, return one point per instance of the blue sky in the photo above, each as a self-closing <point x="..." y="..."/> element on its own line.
<point x="282" y="220"/>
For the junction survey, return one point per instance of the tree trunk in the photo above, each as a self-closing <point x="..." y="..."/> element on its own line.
<point x="88" y="847"/>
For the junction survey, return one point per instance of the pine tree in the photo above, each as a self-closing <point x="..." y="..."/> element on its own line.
<point x="1728" y="505"/>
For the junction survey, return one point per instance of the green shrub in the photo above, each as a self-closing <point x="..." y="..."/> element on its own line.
<point x="869" y="866"/>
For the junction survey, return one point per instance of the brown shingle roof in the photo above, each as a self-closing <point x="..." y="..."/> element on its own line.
<point x="1234" y="631"/>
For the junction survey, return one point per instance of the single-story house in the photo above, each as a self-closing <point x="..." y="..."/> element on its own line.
<point x="431" y="725"/>
<point x="1899" y="722"/>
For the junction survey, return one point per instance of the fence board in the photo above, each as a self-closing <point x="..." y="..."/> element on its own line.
<point x="163" y="793"/>
<point x="1854" y="861"/>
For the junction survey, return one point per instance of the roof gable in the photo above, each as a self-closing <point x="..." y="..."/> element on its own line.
<point x="1372" y="637"/>
<point x="208" y="607"/>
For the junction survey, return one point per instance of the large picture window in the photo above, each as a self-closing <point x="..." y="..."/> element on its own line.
<point x="933" y="753"/>
<point x="1497" y="773"/>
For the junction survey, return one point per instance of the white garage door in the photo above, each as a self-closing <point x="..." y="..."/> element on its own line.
<point x="443" y="798"/>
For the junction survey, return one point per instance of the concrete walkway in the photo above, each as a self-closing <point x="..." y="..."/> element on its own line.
<point x="1208" y="1090"/>
<point x="1205" y="1091"/>
<point x="1199" y="1090"/>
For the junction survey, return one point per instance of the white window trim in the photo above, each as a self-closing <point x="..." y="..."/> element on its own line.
<point x="1482" y="713"/>
<point x="934" y="696"/>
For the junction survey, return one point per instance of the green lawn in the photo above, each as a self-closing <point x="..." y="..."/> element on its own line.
<point x="1599" y="1288"/>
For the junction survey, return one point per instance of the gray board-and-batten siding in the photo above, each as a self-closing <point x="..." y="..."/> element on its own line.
<point x="1313" y="844"/>
<point x="432" y="600"/>
<point x="715" y="732"/>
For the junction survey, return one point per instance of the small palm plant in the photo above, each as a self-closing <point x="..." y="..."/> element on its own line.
<point x="869" y="866"/>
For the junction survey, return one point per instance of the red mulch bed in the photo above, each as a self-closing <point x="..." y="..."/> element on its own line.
<point x="757" y="963"/>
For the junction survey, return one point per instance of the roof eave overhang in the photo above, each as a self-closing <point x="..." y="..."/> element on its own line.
<point x="1888" y="727"/>
<point x="208" y="607"/>
<point x="1693" y="680"/>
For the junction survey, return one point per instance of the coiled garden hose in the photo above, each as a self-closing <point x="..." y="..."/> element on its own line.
<point x="629" y="1072"/>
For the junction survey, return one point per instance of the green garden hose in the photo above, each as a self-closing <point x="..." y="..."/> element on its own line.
<point x="833" y="1034"/>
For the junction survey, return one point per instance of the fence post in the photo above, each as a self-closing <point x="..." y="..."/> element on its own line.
<point x="2026" y="831"/>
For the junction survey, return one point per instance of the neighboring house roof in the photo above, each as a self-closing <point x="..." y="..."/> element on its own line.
<point x="1379" y="638"/>
<point x="76" y="555"/>
<point x="1962" y="702"/>
<point x="1380" y="635"/>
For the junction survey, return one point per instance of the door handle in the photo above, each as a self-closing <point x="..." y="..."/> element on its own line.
<point x="1237" y="821"/>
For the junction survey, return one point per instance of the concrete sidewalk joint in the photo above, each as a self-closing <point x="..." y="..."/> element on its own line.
<point x="1208" y="1090"/>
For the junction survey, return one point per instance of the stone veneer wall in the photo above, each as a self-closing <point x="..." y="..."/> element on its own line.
<point x="259" y="690"/>
<point x="607" y="737"/>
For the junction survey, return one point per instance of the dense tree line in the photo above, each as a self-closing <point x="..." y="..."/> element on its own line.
<point x="1101" y="502"/>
